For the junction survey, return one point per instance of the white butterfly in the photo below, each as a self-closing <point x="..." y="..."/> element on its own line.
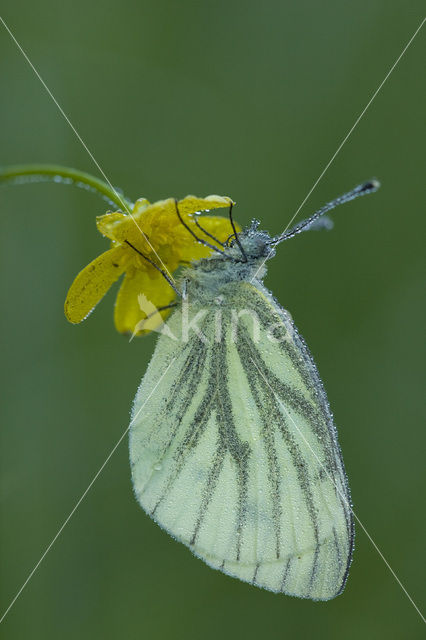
<point x="236" y="454"/>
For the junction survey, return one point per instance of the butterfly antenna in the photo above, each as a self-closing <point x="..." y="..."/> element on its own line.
<point x="361" y="190"/>
<point x="206" y="232"/>
<point x="163" y="273"/>
<point x="204" y="242"/>
<point x="237" y="240"/>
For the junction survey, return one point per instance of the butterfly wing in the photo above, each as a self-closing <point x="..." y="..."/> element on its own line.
<point x="237" y="456"/>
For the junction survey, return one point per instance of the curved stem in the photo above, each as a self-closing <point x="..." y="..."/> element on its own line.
<point x="52" y="171"/>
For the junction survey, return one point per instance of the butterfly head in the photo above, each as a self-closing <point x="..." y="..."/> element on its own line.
<point x="251" y="244"/>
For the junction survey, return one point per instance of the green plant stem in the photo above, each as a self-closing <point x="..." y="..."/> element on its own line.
<point x="52" y="171"/>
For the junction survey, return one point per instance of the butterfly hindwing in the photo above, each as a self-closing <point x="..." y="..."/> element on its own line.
<point x="237" y="456"/>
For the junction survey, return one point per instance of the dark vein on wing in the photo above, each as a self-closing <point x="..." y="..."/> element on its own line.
<point x="239" y="450"/>
<point x="271" y="412"/>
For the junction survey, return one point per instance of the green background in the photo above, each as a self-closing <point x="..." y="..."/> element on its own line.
<point x="250" y="100"/>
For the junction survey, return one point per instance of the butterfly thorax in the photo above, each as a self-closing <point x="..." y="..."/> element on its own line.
<point x="207" y="278"/>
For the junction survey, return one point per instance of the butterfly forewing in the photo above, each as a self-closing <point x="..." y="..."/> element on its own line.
<point x="237" y="456"/>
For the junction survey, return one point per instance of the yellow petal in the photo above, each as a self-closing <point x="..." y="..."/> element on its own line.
<point x="135" y="229"/>
<point x="140" y="205"/>
<point x="218" y="227"/>
<point x="192" y="204"/>
<point x="188" y="205"/>
<point x="141" y="294"/>
<point x="92" y="283"/>
<point x="109" y="222"/>
<point x="157" y="219"/>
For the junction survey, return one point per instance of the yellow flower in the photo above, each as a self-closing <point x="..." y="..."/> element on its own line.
<point x="155" y="231"/>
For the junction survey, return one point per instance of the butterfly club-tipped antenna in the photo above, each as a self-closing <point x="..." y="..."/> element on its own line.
<point x="361" y="190"/>
<point x="163" y="273"/>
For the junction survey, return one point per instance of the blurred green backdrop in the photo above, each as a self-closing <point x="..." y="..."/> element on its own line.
<point x="251" y="100"/>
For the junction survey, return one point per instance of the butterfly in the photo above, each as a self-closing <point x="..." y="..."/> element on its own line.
<point x="234" y="451"/>
<point x="233" y="447"/>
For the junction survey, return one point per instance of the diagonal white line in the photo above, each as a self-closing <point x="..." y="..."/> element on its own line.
<point x="123" y="203"/>
<point x="355" y="124"/>
<point x="345" y="139"/>
<point x="165" y="268"/>
<point x="83" y="495"/>
<point x="343" y="497"/>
